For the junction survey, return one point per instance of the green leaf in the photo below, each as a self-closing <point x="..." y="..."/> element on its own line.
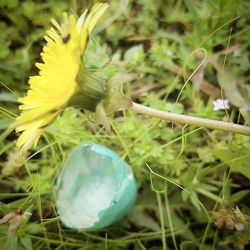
<point x="134" y="55"/>
<point x="174" y="107"/>
<point x="33" y="228"/>
<point x="26" y="242"/>
<point x="236" y="91"/>
<point x="7" y="97"/>
<point x="236" y="157"/>
<point x="141" y="218"/>
<point x="236" y="197"/>
<point x="4" y="208"/>
<point x="179" y="224"/>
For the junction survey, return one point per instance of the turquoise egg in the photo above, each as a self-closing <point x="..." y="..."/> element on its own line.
<point x="94" y="189"/>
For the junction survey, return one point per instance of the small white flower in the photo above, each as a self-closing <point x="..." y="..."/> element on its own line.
<point x="237" y="52"/>
<point x="168" y="53"/>
<point x="221" y="104"/>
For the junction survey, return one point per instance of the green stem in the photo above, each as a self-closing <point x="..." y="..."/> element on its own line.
<point x="163" y="237"/>
<point x="190" y="120"/>
<point x="170" y="219"/>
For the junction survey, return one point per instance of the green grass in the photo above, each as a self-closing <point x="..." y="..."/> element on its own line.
<point x="190" y="179"/>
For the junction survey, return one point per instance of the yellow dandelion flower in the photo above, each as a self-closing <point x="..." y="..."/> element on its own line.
<point x="51" y="90"/>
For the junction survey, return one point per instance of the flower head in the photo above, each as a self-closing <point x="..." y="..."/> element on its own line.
<point x="220" y="104"/>
<point x="51" y="90"/>
<point x="15" y="219"/>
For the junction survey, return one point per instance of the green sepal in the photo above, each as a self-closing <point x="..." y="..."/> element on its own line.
<point x="92" y="90"/>
<point x="115" y="100"/>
